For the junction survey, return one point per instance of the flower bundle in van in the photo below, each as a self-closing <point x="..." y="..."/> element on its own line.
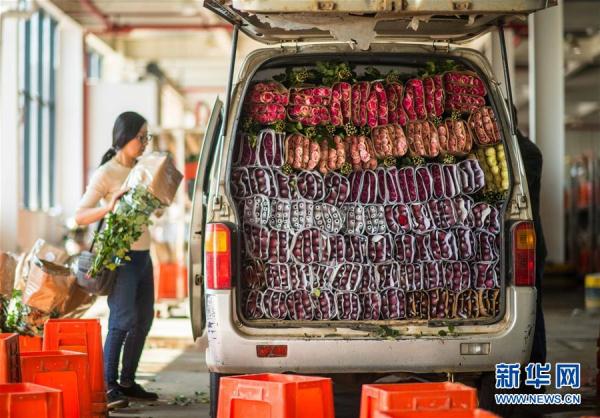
<point x="266" y="102"/>
<point x="489" y="302"/>
<point x="389" y="141"/>
<point x="434" y="95"/>
<point x="465" y="91"/>
<point x="455" y="137"/>
<point x="396" y="112"/>
<point x="422" y="137"/>
<point x="414" y="99"/>
<point x="310" y="105"/>
<point x="341" y="107"/>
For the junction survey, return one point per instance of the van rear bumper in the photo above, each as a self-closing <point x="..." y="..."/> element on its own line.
<point x="231" y="351"/>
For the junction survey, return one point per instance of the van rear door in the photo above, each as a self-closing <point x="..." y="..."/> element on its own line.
<point x="198" y="221"/>
<point x="274" y="21"/>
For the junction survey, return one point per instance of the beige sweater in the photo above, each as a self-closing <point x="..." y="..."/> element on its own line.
<point x="105" y="182"/>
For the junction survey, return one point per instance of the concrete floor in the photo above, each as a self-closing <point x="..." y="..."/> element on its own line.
<point x="174" y="367"/>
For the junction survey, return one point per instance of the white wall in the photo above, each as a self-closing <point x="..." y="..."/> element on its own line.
<point x="106" y="101"/>
<point x="582" y="141"/>
<point x="9" y="137"/>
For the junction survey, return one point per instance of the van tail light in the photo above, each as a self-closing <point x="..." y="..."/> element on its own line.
<point x="217" y="256"/>
<point x="524" y="254"/>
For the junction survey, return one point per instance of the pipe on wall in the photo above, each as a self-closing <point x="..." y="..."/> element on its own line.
<point x="111" y="28"/>
<point x="125" y="29"/>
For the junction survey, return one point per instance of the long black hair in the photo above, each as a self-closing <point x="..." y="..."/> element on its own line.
<point x="127" y="125"/>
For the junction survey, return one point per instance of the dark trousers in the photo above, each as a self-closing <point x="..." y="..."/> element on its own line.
<point x="538" y="350"/>
<point x="131" y="306"/>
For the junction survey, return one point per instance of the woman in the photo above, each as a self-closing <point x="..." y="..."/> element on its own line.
<point x="131" y="302"/>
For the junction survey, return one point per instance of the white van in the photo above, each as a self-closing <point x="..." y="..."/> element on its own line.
<point x="302" y="309"/>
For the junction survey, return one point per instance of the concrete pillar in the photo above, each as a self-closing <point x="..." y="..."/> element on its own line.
<point x="547" y="120"/>
<point x="69" y="118"/>
<point x="10" y="168"/>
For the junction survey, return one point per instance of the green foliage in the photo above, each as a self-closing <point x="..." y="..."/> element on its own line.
<point x="124" y="226"/>
<point x="346" y="169"/>
<point x="192" y="158"/>
<point x="437" y="121"/>
<point x="17" y="317"/>
<point x="448" y="159"/>
<point x="350" y="129"/>
<point x="287" y="169"/>
<point x="294" y="77"/>
<point x="279" y="126"/>
<point x="389" y="162"/>
<point x="417" y="161"/>
<point x="251" y="128"/>
<point x="331" y="72"/>
<point x="371" y="74"/>
<point x="432" y="68"/>
<point x="388" y="333"/>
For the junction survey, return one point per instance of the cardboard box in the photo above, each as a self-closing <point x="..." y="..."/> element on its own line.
<point x="48" y="286"/>
<point x="8" y="267"/>
<point x="43" y="251"/>
<point x="157" y="172"/>
<point x="78" y="302"/>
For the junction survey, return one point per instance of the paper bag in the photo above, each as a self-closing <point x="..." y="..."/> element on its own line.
<point x="8" y="266"/>
<point x="48" y="286"/>
<point x="158" y="173"/>
<point x="43" y="251"/>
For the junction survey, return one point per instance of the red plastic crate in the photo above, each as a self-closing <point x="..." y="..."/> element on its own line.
<point x="455" y="413"/>
<point x="27" y="400"/>
<point x="10" y="372"/>
<point x="63" y="370"/>
<point x="275" y="396"/>
<point x="170" y="281"/>
<point x="190" y="170"/>
<point x="29" y="344"/>
<point x="406" y="397"/>
<point x="83" y="336"/>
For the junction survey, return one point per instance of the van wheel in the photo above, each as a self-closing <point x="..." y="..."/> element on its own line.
<point x="214" y="379"/>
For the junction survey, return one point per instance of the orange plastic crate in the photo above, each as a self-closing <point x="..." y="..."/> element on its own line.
<point x="83" y="336"/>
<point x="190" y="170"/>
<point x="28" y="344"/>
<point x="453" y="413"/>
<point x="406" y="397"/>
<point x="275" y="396"/>
<point x="170" y="281"/>
<point x="63" y="370"/>
<point x="27" y="400"/>
<point x="10" y="372"/>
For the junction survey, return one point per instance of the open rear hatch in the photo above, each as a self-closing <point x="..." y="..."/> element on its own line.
<point x="292" y="273"/>
<point x="366" y="21"/>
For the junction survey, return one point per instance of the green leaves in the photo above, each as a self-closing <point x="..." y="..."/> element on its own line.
<point x="296" y="76"/>
<point x="331" y="72"/>
<point x="388" y="333"/>
<point x="14" y="316"/>
<point x="123" y="228"/>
